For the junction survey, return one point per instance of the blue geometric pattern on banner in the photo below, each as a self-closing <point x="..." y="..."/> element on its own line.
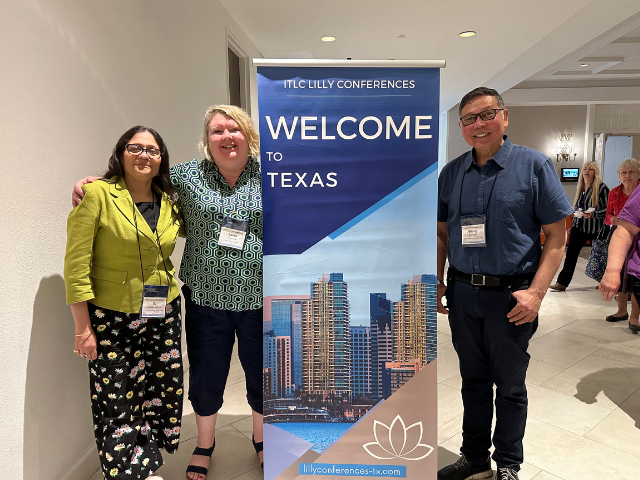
<point x="383" y="202"/>
<point x="326" y="158"/>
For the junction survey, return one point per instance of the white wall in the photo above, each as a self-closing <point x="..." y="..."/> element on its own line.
<point x="620" y="119"/>
<point x="442" y="140"/>
<point x="75" y="75"/>
<point x="456" y="145"/>
<point x="540" y="127"/>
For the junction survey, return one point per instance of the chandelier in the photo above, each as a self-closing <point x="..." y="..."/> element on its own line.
<point x="565" y="149"/>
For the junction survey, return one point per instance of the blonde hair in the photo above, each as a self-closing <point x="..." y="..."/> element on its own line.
<point x="243" y="120"/>
<point x="595" y="186"/>
<point x="629" y="162"/>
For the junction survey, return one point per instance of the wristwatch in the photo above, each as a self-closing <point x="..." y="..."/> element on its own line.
<point x="441" y="282"/>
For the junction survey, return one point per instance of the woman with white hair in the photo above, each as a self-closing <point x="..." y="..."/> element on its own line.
<point x="629" y="174"/>
<point x="591" y="193"/>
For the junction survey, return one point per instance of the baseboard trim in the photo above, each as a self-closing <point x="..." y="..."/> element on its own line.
<point x="86" y="466"/>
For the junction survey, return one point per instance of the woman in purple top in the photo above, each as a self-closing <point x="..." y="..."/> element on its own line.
<point x="622" y="240"/>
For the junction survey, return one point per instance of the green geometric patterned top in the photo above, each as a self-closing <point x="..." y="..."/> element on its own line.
<point x="219" y="277"/>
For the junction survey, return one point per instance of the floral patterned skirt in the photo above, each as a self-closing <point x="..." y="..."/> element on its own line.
<point x="136" y="390"/>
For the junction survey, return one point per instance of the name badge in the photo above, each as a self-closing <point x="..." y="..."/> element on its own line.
<point x="233" y="233"/>
<point x="473" y="231"/>
<point x="154" y="301"/>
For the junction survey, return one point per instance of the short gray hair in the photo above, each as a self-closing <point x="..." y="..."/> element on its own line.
<point x="629" y="162"/>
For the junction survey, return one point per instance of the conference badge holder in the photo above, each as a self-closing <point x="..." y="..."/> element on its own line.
<point x="473" y="231"/>
<point x="233" y="233"/>
<point x="154" y="301"/>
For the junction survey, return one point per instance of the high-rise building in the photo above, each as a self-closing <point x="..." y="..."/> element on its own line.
<point x="277" y="364"/>
<point x="396" y="374"/>
<point x="283" y="314"/>
<point x="269" y="363"/>
<point x="431" y="291"/>
<point x="266" y="383"/>
<point x="415" y="321"/>
<point x="381" y="315"/>
<point x="326" y="343"/>
<point x="284" y="378"/>
<point x="361" y="374"/>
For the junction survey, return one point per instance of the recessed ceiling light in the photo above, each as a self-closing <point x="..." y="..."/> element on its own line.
<point x="400" y="36"/>
<point x="584" y="64"/>
<point x="328" y="39"/>
<point x="468" y="33"/>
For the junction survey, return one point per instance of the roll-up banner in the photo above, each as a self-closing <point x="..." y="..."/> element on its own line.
<point x="349" y="181"/>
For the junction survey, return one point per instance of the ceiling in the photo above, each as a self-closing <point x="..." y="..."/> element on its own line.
<point x="516" y="40"/>
<point x="616" y="63"/>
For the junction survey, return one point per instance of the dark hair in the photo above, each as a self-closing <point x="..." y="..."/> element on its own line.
<point x="162" y="179"/>
<point x="480" y="92"/>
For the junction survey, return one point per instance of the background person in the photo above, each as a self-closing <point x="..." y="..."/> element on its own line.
<point x="629" y="174"/>
<point x="591" y="192"/>
<point x="222" y="284"/>
<point x="625" y="242"/>
<point x="119" y="239"/>
<point x="497" y="278"/>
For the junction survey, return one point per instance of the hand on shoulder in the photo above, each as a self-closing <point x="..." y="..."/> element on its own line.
<point x="78" y="192"/>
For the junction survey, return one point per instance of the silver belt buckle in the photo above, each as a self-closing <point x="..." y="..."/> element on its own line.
<point x="477" y="280"/>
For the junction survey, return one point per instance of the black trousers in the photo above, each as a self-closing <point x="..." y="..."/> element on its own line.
<point x="634" y="286"/>
<point x="491" y="351"/>
<point x="136" y="390"/>
<point x="211" y="334"/>
<point x="577" y="240"/>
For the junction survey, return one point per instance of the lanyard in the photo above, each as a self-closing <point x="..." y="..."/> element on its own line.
<point x="490" y="192"/>
<point x="155" y="219"/>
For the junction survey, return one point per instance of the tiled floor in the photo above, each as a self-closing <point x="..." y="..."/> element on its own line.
<point x="584" y="391"/>
<point x="584" y="397"/>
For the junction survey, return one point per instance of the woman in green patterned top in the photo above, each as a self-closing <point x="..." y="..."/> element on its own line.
<point x="221" y="269"/>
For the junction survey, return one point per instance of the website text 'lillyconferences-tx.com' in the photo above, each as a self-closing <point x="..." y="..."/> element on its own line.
<point x="391" y="471"/>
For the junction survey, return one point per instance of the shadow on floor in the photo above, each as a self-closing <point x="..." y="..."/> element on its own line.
<point x="446" y="457"/>
<point x="592" y="384"/>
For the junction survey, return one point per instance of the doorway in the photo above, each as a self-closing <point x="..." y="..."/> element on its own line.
<point x="617" y="148"/>
<point x="237" y="74"/>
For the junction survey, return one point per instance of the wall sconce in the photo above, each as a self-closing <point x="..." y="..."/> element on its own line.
<point x="564" y="150"/>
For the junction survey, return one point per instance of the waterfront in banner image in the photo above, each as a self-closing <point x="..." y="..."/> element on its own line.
<point x="322" y="435"/>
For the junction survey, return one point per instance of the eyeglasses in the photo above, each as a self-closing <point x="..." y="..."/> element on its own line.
<point x="135" y="149"/>
<point x="484" y="116"/>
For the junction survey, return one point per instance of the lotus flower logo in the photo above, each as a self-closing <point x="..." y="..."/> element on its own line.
<point x="397" y="441"/>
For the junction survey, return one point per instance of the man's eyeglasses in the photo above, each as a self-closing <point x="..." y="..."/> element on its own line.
<point x="135" y="149"/>
<point x="484" y="116"/>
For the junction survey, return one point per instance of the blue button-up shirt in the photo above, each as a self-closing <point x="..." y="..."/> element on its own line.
<point x="527" y="194"/>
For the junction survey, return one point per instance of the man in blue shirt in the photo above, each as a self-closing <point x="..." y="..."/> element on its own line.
<point x="492" y="202"/>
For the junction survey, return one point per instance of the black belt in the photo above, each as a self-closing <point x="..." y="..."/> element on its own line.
<point x="488" y="280"/>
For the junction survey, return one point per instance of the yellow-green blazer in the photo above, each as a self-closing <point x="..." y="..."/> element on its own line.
<point x="102" y="263"/>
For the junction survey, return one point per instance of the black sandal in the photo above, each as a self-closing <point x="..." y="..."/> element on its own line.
<point x="258" y="447"/>
<point x="205" y="452"/>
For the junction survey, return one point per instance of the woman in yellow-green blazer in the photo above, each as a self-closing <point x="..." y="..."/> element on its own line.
<point x="99" y="266"/>
<point x="119" y="240"/>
